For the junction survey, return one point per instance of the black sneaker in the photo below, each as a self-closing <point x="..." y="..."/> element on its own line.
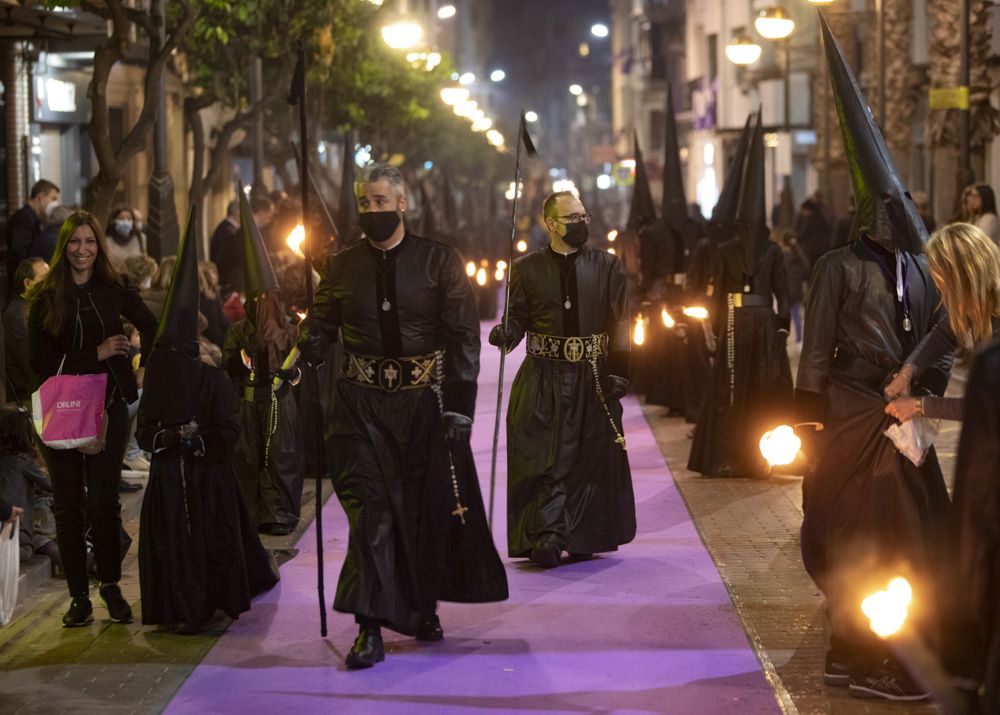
<point x="887" y="683"/>
<point x="118" y="608"/>
<point x="80" y="613"/>
<point x="836" y="672"/>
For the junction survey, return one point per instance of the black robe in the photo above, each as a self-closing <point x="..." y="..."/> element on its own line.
<point x="388" y="458"/>
<point x="868" y="512"/>
<point x="699" y="287"/>
<point x="568" y="481"/>
<point x="970" y="622"/>
<point x="756" y="395"/>
<point x="198" y="549"/>
<point x="270" y="467"/>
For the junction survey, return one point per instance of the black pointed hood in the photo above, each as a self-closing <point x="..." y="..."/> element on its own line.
<point x="724" y="213"/>
<point x="674" y="207"/>
<point x="172" y="378"/>
<point x="786" y="206"/>
<point x="751" y="214"/>
<point x="885" y="211"/>
<point x="260" y="275"/>
<point x="642" y="211"/>
<point x="347" y="210"/>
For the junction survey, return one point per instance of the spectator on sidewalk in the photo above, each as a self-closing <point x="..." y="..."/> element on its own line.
<point x="21" y="380"/>
<point x="923" y="201"/>
<point x="45" y="244"/>
<point x="141" y="271"/>
<point x="26" y="224"/>
<point x="797" y="267"/>
<point x="124" y="241"/>
<point x="156" y="295"/>
<point x="226" y="250"/>
<point x="979" y="207"/>
<point x="211" y="303"/>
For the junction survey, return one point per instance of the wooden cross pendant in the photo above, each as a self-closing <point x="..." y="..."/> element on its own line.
<point x="460" y="511"/>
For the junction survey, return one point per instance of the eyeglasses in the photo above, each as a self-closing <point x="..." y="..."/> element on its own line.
<point x="573" y="218"/>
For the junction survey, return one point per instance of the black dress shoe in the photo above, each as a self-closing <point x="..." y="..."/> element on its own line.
<point x="573" y="556"/>
<point x="118" y="608"/>
<point x="80" y="613"/>
<point x="546" y="555"/>
<point x="187" y="629"/>
<point x="368" y="649"/>
<point x="430" y="628"/>
<point x="128" y="487"/>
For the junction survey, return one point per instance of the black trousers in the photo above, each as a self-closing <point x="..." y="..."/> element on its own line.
<point x="85" y="491"/>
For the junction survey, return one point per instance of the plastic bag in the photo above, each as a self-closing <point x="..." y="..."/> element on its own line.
<point x="914" y="437"/>
<point x="10" y="569"/>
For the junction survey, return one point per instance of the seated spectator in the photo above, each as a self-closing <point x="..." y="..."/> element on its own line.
<point x="21" y="379"/>
<point x="141" y="271"/>
<point x="25" y="484"/>
<point x="979" y="207"/>
<point x="211" y="302"/>
<point x="124" y="241"/>
<point x="156" y="295"/>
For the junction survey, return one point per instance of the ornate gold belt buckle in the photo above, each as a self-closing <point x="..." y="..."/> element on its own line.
<point x="573" y="349"/>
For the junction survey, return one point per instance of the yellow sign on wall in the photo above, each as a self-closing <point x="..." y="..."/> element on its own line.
<point x="949" y="98"/>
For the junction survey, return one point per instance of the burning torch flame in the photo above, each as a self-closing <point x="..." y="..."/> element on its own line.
<point x="612" y="234"/>
<point x="295" y="239"/>
<point x="639" y="332"/>
<point x="470" y="269"/>
<point x="481" y="276"/>
<point x="502" y="265"/>
<point x="780" y="446"/>
<point x="302" y="316"/>
<point x="668" y="322"/>
<point x="696" y="312"/>
<point x="887" y="610"/>
<point x="499" y="274"/>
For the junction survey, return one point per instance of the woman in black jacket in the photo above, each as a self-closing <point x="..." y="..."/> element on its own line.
<point x="75" y="321"/>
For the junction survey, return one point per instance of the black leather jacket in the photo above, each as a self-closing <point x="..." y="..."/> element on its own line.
<point x="93" y="313"/>
<point x="409" y="301"/>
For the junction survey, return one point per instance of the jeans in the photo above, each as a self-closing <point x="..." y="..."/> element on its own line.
<point x="85" y="491"/>
<point x="796" y="311"/>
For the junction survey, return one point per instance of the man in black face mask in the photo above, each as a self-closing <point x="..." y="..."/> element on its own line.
<point x="568" y="481"/>
<point x="398" y="438"/>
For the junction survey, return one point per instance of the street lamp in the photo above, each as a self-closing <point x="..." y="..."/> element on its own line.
<point x="742" y="51"/>
<point x="599" y="30"/>
<point x="446" y="11"/>
<point x="453" y="95"/>
<point x="530" y="117"/>
<point x="402" y="35"/>
<point x="774" y="23"/>
<point x="467" y="78"/>
<point x="575" y="89"/>
<point x="498" y="76"/>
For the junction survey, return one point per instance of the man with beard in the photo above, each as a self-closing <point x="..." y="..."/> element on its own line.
<point x="257" y="351"/>
<point x="751" y="382"/>
<point x="568" y="481"/>
<point x="402" y="418"/>
<point x="198" y="549"/>
<point x="868" y="512"/>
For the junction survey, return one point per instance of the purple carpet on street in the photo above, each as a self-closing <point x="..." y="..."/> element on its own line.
<point x="648" y="629"/>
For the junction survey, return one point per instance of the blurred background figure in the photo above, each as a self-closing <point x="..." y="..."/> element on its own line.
<point x="124" y="240"/>
<point x="21" y="379"/>
<point x="26" y="224"/>
<point x="979" y="207"/>
<point x="797" y="266"/>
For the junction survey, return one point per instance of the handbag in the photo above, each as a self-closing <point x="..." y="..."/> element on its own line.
<point x="914" y="438"/>
<point x="10" y="569"/>
<point x="68" y="411"/>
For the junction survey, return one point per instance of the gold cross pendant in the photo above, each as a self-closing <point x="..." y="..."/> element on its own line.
<point x="621" y="440"/>
<point x="460" y="511"/>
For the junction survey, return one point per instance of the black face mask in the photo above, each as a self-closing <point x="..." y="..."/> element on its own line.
<point x="576" y="234"/>
<point x="379" y="225"/>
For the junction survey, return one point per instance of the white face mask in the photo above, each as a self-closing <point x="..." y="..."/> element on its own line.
<point x="53" y="205"/>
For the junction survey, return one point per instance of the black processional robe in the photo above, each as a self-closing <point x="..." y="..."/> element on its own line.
<point x="698" y="292"/>
<point x="388" y="457"/>
<point x="868" y="512"/>
<point x="568" y="479"/>
<point x="269" y="455"/>
<point x="749" y="388"/>
<point x="198" y="547"/>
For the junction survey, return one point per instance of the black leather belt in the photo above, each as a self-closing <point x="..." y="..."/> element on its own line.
<point x="860" y="369"/>
<point x="394" y="374"/>
<point x="750" y="300"/>
<point x="571" y="349"/>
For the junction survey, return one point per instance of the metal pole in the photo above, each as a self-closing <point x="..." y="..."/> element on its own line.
<point x="880" y="42"/>
<point x="162" y="230"/>
<point x="787" y="78"/>
<point x="256" y="92"/>
<point x="965" y="118"/>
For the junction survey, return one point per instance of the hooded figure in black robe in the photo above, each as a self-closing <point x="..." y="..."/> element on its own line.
<point x="750" y="387"/>
<point x="269" y="453"/>
<point x="568" y="481"/>
<point x="399" y="437"/>
<point x="198" y="549"/>
<point x="868" y="512"/>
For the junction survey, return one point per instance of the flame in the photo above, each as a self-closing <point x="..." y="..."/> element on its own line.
<point x="295" y="239"/>
<point x="522" y="246"/>
<point x="302" y="316"/>
<point x="696" y="312"/>
<point x="780" y="446"/>
<point x="612" y="234"/>
<point x="470" y="269"/>
<point x="887" y="610"/>
<point x="481" y="276"/>
<point x="499" y="275"/>
<point x="639" y="332"/>
<point x="668" y="322"/>
<point x="612" y="251"/>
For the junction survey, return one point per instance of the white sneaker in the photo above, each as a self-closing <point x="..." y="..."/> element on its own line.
<point x="136" y="464"/>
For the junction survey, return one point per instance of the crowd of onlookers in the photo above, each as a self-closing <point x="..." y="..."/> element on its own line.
<point x="31" y="238"/>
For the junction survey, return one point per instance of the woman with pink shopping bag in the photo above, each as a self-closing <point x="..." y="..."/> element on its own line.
<point x="75" y="328"/>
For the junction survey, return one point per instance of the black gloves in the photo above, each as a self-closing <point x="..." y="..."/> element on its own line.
<point x="457" y="428"/>
<point x="615" y="387"/>
<point x="310" y="340"/>
<point x="504" y="340"/>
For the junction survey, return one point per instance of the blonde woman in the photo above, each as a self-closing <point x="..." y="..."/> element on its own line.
<point x="965" y="267"/>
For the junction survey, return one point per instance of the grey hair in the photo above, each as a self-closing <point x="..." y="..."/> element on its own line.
<point x="380" y="170"/>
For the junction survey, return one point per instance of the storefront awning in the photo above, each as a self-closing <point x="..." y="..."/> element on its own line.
<point x="19" y="23"/>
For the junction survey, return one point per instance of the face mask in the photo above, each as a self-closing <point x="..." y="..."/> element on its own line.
<point x="50" y="209"/>
<point x="379" y="225"/>
<point x="576" y="234"/>
<point x="123" y="227"/>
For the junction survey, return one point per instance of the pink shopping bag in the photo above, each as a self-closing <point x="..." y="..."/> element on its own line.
<point x="68" y="411"/>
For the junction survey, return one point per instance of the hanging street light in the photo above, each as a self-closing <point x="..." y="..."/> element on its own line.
<point x="774" y="23"/>
<point x="454" y="95"/>
<point x="742" y="51"/>
<point x="403" y="35"/>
